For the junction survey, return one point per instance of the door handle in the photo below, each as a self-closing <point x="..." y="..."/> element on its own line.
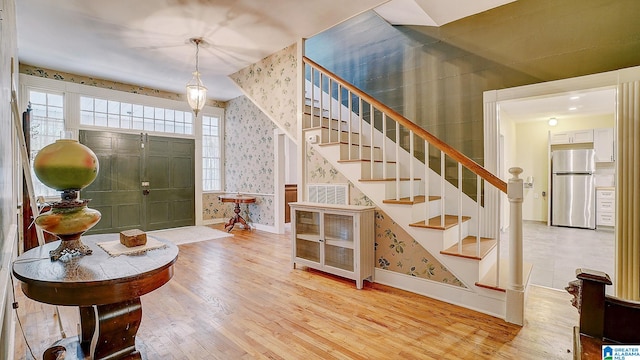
<point x="145" y="192"/>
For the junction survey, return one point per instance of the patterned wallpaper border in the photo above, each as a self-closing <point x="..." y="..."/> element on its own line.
<point x="106" y="84"/>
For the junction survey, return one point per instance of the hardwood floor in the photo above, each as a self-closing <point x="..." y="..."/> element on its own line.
<point x="239" y="298"/>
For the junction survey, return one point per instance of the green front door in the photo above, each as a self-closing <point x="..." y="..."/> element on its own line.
<point x="144" y="182"/>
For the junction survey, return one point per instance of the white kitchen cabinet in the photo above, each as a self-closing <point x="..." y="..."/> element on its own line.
<point x="603" y="144"/>
<point x="338" y="239"/>
<point x="605" y="207"/>
<point x="572" y="137"/>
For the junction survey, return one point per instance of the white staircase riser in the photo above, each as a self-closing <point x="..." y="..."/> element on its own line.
<point x="405" y="188"/>
<point x="419" y="210"/>
<point x="378" y="172"/>
<point x="486" y="264"/>
<point x="317" y="122"/>
<point x="450" y="236"/>
<point x="355" y="152"/>
<point x="334" y="135"/>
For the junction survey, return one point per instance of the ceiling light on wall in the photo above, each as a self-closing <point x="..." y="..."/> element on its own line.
<point x="196" y="91"/>
<point x="553" y="122"/>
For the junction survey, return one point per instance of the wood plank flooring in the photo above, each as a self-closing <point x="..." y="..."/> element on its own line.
<point x="239" y="298"/>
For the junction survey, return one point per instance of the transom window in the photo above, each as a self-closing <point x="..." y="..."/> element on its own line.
<point x="121" y="115"/>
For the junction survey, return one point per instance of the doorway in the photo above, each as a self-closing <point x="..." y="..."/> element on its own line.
<point x="144" y="182"/>
<point x="521" y="116"/>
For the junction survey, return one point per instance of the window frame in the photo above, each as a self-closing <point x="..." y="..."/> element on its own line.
<point x="220" y="158"/>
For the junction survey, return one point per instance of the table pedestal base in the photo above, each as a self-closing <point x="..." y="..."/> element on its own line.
<point x="236" y="219"/>
<point x="71" y="350"/>
<point x="106" y="332"/>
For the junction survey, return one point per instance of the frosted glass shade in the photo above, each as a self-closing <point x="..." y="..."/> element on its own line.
<point x="196" y="93"/>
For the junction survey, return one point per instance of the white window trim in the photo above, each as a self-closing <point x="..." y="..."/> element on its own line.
<point x="73" y="91"/>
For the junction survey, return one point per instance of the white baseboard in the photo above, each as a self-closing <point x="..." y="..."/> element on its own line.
<point x="464" y="297"/>
<point x="267" y="228"/>
<point x="213" y="221"/>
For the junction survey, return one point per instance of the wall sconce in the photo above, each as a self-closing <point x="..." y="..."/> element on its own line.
<point x="553" y="121"/>
<point x="196" y="91"/>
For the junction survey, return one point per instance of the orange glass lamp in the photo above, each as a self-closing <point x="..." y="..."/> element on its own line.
<point x="67" y="166"/>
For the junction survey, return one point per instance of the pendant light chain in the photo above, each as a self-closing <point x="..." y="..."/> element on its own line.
<point x="196" y="91"/>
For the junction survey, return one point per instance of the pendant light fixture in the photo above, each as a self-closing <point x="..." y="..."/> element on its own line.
<point x="196" y="91"/>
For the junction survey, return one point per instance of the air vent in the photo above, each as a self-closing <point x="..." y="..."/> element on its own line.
<point x="329" y="193"/>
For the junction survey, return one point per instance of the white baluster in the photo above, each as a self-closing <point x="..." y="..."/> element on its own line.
<point x="478" y="213"/>
<point x="361" y="132"/>
<point x="372" y="120"/>
<point x="384" y="146"/>
<point x="426" y="179"/>
<point x="398" y="161"/>
<point x="411" y="169"/>
<point x="442" y="188"/>
<point x="459" y="208"/>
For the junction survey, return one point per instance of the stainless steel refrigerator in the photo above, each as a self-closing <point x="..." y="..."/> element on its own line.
<point x="573" y="193"/>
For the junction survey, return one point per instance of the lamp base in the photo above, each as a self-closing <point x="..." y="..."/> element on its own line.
<point x="69" y="248"/>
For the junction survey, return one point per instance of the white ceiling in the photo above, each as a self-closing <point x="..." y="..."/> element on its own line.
<point x="563" y="107"/>
<point x="145" y="42"/>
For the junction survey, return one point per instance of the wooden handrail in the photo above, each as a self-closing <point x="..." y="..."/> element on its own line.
<point x="416" y="129"/>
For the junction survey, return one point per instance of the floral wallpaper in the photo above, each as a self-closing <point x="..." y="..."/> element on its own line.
<point x="106" y="84"/>
<point x="271" y="83"/>
<point x="395" y="250"/>
<point x="249" y="163"/>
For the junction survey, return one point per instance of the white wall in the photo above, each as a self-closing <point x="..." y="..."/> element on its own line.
<point x="532" y="155"/>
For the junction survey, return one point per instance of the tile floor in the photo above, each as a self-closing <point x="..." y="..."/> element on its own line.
<point x="556" y="252"/>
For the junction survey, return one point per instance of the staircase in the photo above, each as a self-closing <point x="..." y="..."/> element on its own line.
<point x="383" y="154"/>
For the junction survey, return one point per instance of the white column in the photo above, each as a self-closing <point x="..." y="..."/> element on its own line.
<point x="515" y="194"/>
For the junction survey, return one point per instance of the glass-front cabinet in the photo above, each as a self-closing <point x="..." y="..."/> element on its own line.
<point x="337" y="239"/>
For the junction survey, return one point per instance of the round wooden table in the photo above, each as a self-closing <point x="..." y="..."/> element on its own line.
<point x="106" y="289"/>
<point x="237" y="199"/>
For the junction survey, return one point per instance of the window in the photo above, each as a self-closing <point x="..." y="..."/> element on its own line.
<point x="47" y="126"/>
<point x="121" y="115"/>
<point x="211" y="154"/>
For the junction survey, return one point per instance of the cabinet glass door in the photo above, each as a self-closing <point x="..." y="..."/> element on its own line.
<point x="308" y="235"/>
<point x="338" y="238"/>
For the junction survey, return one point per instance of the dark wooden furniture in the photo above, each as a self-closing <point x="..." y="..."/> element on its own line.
<point x="237" y="199"/>
<point x="106" y="289"/>
<point x="290" y="195"/>
<point x="604" y="319"/>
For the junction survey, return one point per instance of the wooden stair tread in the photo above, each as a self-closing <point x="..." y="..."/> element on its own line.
<point x="417" y="199"/>
<point x="363" y="160"/>
<point x="332" y="129"/>
<point x="387" y="179"/>
<point x="469" y="248"/>
<point x="347" y="143"/>
<point x="489" y="280"/>
<point x="434" y="223"/>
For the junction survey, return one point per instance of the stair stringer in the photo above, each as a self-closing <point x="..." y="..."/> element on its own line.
<point x="466" y="270"/>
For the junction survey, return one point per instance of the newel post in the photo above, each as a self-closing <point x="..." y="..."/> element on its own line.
<point x="515" y="290"/>
<point x="515" y="193"/>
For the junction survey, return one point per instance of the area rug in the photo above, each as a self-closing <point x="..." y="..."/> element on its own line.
<point x="189" y="234"/>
